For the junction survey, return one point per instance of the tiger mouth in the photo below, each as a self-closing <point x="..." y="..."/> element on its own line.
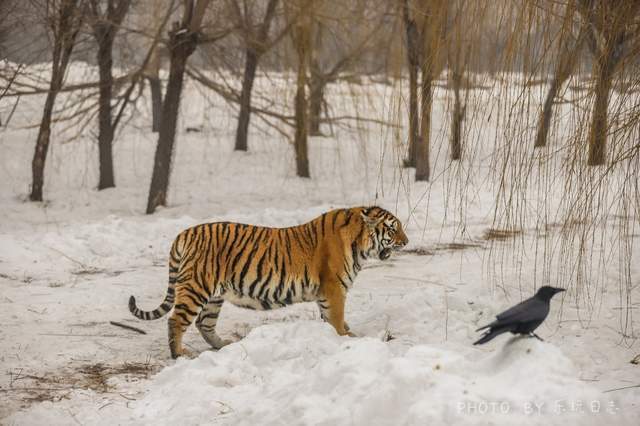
<point x="384" y="254"/>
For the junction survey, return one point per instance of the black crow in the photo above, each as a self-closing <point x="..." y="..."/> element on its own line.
<point x="523" y="318"/>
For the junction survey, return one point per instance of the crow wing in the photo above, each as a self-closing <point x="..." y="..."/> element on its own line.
<point x="532" y="309"/>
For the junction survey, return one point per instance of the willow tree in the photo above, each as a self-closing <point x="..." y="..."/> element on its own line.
<point x="413" y="58"/>
<point x="568" y="48"/>
<point x="613" y="25"/>
<point x="433" y="17"/>
<point x="300" y="15"/>
<point x="458" y="51"/>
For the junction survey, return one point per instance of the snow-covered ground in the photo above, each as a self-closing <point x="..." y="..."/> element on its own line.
<point x="68" y="266"/>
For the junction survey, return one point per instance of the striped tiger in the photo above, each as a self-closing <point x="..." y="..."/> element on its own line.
<point x="264" y="268"/>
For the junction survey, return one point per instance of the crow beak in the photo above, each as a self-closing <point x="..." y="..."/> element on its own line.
<point x="560" y="290"/>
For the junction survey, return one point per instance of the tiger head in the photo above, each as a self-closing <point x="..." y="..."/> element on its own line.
<point x="384" y="234"/>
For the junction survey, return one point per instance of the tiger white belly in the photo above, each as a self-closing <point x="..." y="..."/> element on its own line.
<point x="246" y="301"/>
<point x="292" y="294"/>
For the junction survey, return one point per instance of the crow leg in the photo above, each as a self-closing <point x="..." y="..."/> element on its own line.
<point x="532" y="334"/>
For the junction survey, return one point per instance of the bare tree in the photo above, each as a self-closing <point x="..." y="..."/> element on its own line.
<point x="569" y="46"/>
<point x="255" y="41"/>
<point x="152" y="74"/>
<point x="183" y="40"/>
<point x="339" y="45"/>
<point x="611" y="28"/>
<point x="433" y="14"/>
<point x="457" y="58"/>
<point x="317" y="83"/>
<point x="301" y="15"/>
<point x="105" y="20"/>
<point x="153" y="65"/>
<point x="413" y="57"/>
<point x="66" y="19"/>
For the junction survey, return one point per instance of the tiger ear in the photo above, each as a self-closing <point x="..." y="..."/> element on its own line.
<point x="371" y="222"/>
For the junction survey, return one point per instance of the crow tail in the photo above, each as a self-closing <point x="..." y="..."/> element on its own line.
<point x="493" y="332"/>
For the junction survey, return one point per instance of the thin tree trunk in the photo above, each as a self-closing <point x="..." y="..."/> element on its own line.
<point x="183" y="44"/>
<point x="156" y="102"/>
<point x="301" y="111"/>
<point x="250" y="66"/>
<point x="152" y="73"/>
<point x="316" y="98"/>
<point x="598" y="132"/>
<point x="64" y="39"/>
<point x="413" y="57"/>
<point x="423" y="170"/>
<point x="568" y="56"/>
<point x="105" y="135"/>
<point x="458" y="117"/>
<point x="105" y="26"/>
<point x="433" y="34"/>
<point x="42" y="146"/>
<point x="301" y="37"/>
<point x="256" y="44"/>
<point x="545" y="116"/>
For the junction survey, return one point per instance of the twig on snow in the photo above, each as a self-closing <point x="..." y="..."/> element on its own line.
<point x="128" y="327"/>
<point x="622" y="388"/>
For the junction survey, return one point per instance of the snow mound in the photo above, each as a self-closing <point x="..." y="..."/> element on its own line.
<point x="303" y="373"/>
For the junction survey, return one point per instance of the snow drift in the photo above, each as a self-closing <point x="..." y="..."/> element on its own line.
<point x="304" y="374"/>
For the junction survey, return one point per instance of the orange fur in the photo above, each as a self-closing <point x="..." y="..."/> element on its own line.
<point x="265" y="268"/>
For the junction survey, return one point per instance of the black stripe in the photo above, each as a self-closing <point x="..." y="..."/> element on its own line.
<point x="265" y="305"/>
<point x="200" y="298"/>
<point x="185" y="308"/>
<point x="174" y="258"/>
<point x="183" y="316"/>
<point x="344" y="285"/>
<point x="243" y="244"/>
<point x="266" y="282"/>
<point x="287" y="300"/>
<point x="297" y="238"/>
<point x="204" y="316"/>
<point x="335" y="218"/>
<point x="306" y="276"/>
<point x="252" y="286"/>
<point x="322" y="219"/>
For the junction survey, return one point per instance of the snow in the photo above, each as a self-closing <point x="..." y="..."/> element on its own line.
<point x="303" y="373"/>
<point x="68" y="266"/>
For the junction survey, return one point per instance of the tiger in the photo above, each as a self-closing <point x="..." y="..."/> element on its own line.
<point x="264" y="268"/>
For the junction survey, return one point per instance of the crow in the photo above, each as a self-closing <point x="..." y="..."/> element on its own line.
<point x="523" y="318"/>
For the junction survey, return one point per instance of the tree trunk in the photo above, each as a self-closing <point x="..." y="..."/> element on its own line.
<point x="413" y="57"/>
<point x="182" y="45"/>
<point x="152" y="73"/>
<point x="250" y="66"/>
<point x="567" y="58"/>
<point x="458" y="117"/>
<point x="104" y="37"/>
<point x="316" y="98"/>
<point x="423" y="171"/>
<point x="156" y="102"/>
<point x="301" y="37"/>
<point x="545" y="116"/>
<point x="598" y="131"/>
<point x="42" y="146"/>
<point x="301" y="111"/>
<point x="64" y="39"/>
